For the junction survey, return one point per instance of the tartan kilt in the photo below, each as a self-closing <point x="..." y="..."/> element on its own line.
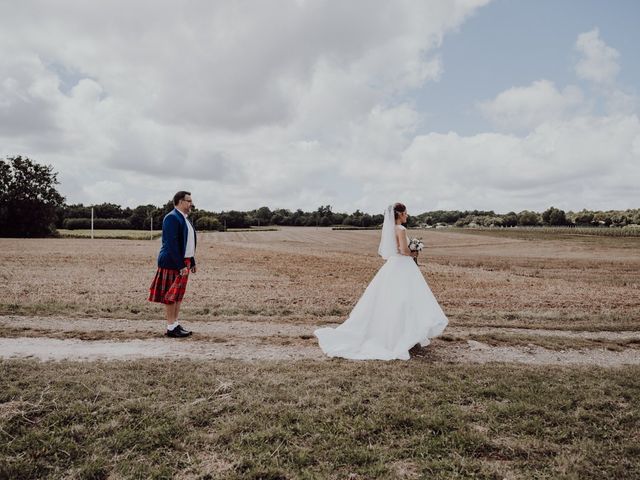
<point x="168" y="285"/>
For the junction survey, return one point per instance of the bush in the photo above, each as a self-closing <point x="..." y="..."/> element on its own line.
<point x="110" y="210"/>
<point x="554" y="216"/>
<point x="208" y="223"/>
<point x="492" y="222"/>
<point x="234" y="219"/>
<point x="510" y="219"/>
<point x="325" y="222"/>
<point x="98" y="224"/>
<point x="527" y="218"/>
<point x="140" y="218"/>
<point x="277" y="219"/>
<point x="583" y="218"/>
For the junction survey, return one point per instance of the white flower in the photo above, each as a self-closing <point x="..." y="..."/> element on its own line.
<point x="416" y="245"/>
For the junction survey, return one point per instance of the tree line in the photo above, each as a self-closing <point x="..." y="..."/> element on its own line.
<point x="109" y="215"/>
<point x="526" y="218"/>
<point x="31" y="206"/>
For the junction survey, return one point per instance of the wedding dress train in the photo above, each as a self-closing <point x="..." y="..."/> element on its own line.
<point x="396" y="312"/>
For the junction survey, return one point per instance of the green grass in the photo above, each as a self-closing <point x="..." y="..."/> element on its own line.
<point x="119" y="234"/>
<point x="617" y="235"/>
<point x="549" y="319"/>
<point x="549" y="342"/>
<point x="144" y="309"/>
<point x="232" y="420"/>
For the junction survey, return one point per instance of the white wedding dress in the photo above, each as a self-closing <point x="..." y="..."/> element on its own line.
<point x="396" y="311"/>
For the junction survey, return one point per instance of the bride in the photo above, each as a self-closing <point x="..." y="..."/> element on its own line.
<point x="396" y="311"/>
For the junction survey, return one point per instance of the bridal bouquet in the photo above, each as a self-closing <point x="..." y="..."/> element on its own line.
<point x="416" y="245"/>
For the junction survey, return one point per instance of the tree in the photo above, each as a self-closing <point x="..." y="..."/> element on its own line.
<point x="109" y="210"/>
<point x="323" y="211"/>
<point x="277" y="219"/>
<point x="297" y="217"/>
<point x="141" y="217"/>
<point x="234" y="219"/>
<point x="601" y="219"/>
<point x="510" y="219"/>
<point x="77" y="211"/>
<point x="583" y="218"/>
<point x="264" y="215"/>
<point x="554" y="216"/>
<point x="527" y="218"/>
<point x="495" y="221"/>
<point x="28" y="198"/>
<point x="619" y="219"/>
<point x="208" y="223"/>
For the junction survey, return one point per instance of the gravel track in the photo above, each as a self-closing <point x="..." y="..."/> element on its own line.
<point x="258" y="339"/>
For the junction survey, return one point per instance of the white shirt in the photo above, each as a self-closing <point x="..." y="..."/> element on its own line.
<point x="191" y="240"/>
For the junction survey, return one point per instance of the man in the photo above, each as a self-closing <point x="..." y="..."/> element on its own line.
<point x="175" y="260"/>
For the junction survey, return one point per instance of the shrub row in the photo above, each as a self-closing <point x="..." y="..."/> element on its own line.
<point x="208" y="223"/>
<point x="202" y="223"/>
<point x="98" y="223"/>
<point x="628" y="231"/>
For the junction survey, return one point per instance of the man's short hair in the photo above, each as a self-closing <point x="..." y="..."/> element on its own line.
<point x="179" y="196"/>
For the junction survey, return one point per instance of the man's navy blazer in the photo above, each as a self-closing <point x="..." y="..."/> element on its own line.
<point x="174" y="241"/>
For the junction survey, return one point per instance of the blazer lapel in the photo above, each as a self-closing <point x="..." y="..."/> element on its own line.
<point x="185" y="230"/>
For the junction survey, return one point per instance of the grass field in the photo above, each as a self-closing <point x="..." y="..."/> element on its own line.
<point x="140" y="234"/>
<point x="539" y="232"/>
<point x="316" y="275"/>
<point x="113" y="234"/>
<point x="424" y="418"/>
<point x="308" y="420"/>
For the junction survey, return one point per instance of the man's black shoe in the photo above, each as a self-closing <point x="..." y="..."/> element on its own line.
<point x="188" y="332"/>
<point x="177" y="333"/>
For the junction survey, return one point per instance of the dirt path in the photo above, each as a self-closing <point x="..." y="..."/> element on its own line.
<point x="263" y="338"/>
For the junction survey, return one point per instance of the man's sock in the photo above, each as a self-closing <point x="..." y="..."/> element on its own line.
<point x="173" y="325"/>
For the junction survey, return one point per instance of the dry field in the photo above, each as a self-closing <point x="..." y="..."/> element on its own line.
<point x="259" y="291"/>
<point x="536" y="376"/>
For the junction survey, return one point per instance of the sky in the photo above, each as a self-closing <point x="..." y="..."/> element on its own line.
<point x="500" y="105"/>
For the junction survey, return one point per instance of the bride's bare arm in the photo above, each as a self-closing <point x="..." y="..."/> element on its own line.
<point x="401" y="240"/>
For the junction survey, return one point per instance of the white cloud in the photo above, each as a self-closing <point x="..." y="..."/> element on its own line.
<point x="619" y="101"/>
<point x="291" y="104"/>
<point x="527" y="107"/>
<point x="599" y="62"/>
<point x="555" y="146"/>
<point x="28" y="96"/>
<point x="583" y="161"/>
<point x="250" y="102"/>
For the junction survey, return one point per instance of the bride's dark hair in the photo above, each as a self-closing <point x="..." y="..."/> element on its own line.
<point x="398" y="208"/>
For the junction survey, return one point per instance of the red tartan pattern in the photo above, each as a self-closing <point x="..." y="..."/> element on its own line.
<point x="168" y="285"/>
